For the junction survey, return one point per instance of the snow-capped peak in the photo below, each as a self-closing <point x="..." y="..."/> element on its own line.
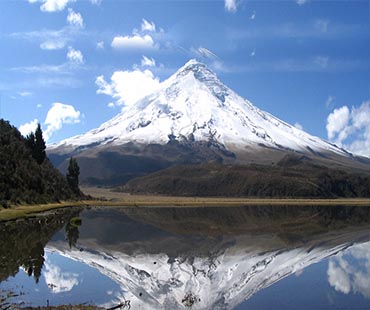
<point x="194" y="105"/>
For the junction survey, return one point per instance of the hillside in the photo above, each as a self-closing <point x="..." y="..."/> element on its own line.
<point x="290" y="177"/>
<point x="191" y="118"/>
<point x="22" y="178"/>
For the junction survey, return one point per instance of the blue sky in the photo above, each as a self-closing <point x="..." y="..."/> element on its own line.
<point x="73" y="64"/>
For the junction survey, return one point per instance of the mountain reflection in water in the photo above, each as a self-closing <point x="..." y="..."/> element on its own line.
<point x="199" y="258"/>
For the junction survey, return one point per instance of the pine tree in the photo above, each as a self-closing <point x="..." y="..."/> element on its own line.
<point x="30" y="141"/>
<point x="73" y="175"/>
<point x="39" y="148"/>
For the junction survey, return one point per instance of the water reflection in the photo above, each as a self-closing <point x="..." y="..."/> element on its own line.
<point x="201" y="258"/>
<point x="350" y="272"/>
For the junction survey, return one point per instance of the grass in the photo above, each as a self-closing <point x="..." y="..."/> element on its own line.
<point x="104" y="197"/>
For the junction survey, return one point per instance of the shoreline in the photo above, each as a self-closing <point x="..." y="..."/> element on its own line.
<point x="24" y="211"/>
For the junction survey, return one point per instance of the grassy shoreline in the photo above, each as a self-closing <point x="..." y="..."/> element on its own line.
<point x="23" y="211"/>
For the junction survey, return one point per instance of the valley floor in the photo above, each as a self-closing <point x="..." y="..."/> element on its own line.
<point x="106" y="197"/>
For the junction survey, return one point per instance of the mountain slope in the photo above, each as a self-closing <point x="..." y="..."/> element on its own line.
<point x="191" y="118"/>
<point x="22" y="179"/>
<point x="290" y="177"/>
<point x="194" y="105"/>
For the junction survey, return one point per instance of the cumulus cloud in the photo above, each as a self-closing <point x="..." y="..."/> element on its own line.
<point x="133" y="42"/>
<point x="351" y="128"/>
<point x="75" y="56"/>
<point x="29" y="127"/>
<point x="337" y="121"/>
<point x="52" y="5"/>
<point x="74" y="19"/>
<point x="350" y="271"/>
<point x="148" y="62"/>
<point x="338" y="278"/>
<point x="147" y="26"/>
<point x="231" y="5"/>
<point x="58" y="115"/>
<point x="57" y="280"/>
<point x="127" y="87"/>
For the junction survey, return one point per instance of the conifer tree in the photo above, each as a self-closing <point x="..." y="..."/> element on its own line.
<point x="30" y="141"/>
<point x="73" y="175"/>
<point x="39" y="147"/>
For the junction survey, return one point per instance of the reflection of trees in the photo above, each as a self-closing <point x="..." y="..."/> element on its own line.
<point x="72" y="234"/>
<point x="35" y="262"/>
<point x="22" y="243"/>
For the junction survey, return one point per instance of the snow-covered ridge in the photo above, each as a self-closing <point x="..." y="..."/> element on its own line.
<point x="234" y="271"/>
<point x="193" y="104"/>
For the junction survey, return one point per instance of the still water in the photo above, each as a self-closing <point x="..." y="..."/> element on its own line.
<point x="255" y="257"/>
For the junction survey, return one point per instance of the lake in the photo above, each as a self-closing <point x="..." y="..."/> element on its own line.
<point x="252" y="257"/>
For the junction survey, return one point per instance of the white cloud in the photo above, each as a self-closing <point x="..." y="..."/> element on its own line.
<point x="96" y="2"/>
<point x="301" y="2"/>
<point x="253" y="16"/>
<point x="75" y="19"/>
<point x="337" y="121"/>
<point x="253" y="53"/>
<point x="298" y="126"/>
<point x="231" y="5"/>
<point x="338" y="278"/>
<point x="29" y="127"/>
<point x="206" y="52"/>
<point x="50" y="39"/>
<point x="146" y="61"/>
<point x="75" y="56"/>
<point x="59" y="281"/>
<point x="350" y="271"/>
<point x="111" y="105"/>
<point x="127" y="87"/>
<point x="53" y="44"/>
<point x="351" y="129"/>
<point x="133" y="42"/>
<point x="147" y="26"/>
<point x="52" y="5"/>
<point x="25" y="94"/>
<point x="329" y="101"/>
<point x="100" y="45"/>
<point x="58" y="115"/>
<point x="56" y="44"/>
<point x="39" y="105"/>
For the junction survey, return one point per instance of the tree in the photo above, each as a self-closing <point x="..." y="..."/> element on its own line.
<point x="30" y="142"/>
<point x="39" y="147"/>
<point x="73" y="174"/>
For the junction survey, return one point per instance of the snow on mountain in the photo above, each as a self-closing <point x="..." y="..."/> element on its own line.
<point x="234" y="271"/>
<point x="194" y="105"/>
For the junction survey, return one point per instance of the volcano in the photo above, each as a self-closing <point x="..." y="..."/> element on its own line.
<point x="191" y="118"/>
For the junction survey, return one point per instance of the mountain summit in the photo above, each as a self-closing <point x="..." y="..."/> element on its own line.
<point x="193" y="117"/>
<point x="194" y="105"/>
